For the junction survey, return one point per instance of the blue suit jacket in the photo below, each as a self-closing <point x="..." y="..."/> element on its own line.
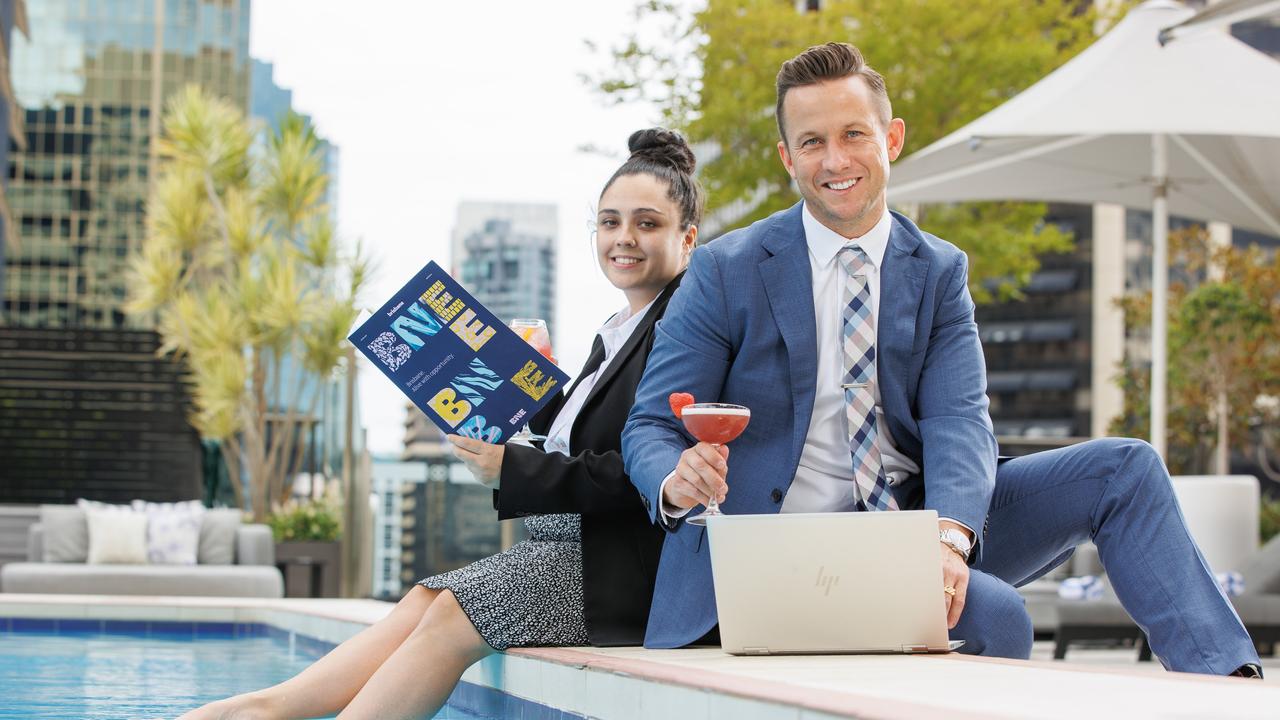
<point x="741" y="329"/>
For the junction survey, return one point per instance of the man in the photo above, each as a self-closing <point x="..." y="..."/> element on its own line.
<point x="849" y="333"/>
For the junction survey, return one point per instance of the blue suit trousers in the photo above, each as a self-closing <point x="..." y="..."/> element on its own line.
<point x="1117" y="493"/>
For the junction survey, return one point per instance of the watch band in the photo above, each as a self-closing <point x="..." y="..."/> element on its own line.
<point x="955" y="540"/>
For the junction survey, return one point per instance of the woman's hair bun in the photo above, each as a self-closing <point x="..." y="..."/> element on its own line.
<point x="663" y="146"/>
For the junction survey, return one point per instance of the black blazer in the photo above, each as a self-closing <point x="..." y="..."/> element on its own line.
<point x="620" y="546"/>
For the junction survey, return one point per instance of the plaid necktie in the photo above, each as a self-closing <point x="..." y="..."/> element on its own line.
<point x="859" y="384"/>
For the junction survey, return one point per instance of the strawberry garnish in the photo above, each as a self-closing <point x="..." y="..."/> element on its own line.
<point x="678" y="401"/>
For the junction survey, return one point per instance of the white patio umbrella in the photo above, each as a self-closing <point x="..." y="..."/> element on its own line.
<point x="1221" y="14"/>
<point x="1191" y="128"/>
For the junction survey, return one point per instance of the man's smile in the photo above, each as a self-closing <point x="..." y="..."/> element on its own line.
<point x="839" y="185"/>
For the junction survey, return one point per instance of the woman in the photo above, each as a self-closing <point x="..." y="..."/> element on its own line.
<point x="586" y="574"/>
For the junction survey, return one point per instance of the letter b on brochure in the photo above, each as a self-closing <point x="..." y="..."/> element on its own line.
<point x="463" y="367"/>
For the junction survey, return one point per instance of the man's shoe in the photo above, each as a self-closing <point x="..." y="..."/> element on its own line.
<point x="1248" y="670"/>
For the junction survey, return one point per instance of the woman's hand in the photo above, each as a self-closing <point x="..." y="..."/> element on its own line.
<point x="482" y="459"/>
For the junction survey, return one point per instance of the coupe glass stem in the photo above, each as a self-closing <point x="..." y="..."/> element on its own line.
<point x="712" y="508"/>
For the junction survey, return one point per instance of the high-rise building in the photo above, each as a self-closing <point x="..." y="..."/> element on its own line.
<point x="1039" y="348"/>
<point x="505" y="255"/>
<point x="430" y="517"/>
<point x="86" y="409"/>
<point x="321" y="432"/>
<point x="13" y="13"/>
<point x="269" y="103"/>
<point x="390" y="479"/>
<point x="92" y="82"/>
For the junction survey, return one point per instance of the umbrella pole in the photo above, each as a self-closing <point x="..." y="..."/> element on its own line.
<point x="1159" y="288"/>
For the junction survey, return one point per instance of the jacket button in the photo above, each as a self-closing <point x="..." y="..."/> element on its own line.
<point x="776" y="495"/>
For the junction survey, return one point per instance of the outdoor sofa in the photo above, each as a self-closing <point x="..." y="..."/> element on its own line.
<point x="233" y="559"/>
<point x="1258" y="606"/>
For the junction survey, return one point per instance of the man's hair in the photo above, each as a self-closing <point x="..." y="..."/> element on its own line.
<point x="832" y="61"/>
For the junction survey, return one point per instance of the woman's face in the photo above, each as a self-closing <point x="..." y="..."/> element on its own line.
<point x="639" y="241"/>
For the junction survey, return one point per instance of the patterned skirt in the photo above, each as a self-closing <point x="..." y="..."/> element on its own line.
<point x="529" y="595"/>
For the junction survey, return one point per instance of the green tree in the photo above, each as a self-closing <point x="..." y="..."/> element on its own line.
<point x="242" y="268"/>
<point x="946" y="62"/>
<point x="1224" y="353"/>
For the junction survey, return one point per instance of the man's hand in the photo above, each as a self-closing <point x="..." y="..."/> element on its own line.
<point x="955" y="575"/>
<point x="699" y="476"/>
<point x="482" y="459"/>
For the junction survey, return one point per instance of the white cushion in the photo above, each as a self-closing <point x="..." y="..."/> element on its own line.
<point x="218" y="536"/>
<point x="88" y="505"/>
<point x="173" y="531"/>
<point x="117" y="537"/>
<point x="66" y="534"/>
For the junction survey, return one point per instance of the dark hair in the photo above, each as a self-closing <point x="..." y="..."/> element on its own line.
<point x="665" y="155"/>
<point x="832" y="61"/>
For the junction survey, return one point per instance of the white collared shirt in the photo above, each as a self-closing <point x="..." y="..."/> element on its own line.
<point x="614" y="334"/>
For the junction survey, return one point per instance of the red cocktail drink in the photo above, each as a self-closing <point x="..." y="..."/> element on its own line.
<point x="534" y="332"/>
<point x="715" y="423"/>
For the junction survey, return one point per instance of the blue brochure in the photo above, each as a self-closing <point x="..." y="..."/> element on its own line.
<point x="447" y="353"/>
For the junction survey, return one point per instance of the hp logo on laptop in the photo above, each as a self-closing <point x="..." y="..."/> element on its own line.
<point x="825" y="581"/>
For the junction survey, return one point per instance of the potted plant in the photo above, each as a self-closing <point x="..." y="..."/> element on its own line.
<point x="306" y="535"/>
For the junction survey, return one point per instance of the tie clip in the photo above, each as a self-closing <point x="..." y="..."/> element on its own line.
<point x="855" y="386"/>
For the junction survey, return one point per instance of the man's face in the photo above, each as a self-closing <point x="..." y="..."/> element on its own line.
<point x="838" y="151"/>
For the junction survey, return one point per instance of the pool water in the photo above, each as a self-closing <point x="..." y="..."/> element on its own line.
<point x="96" y="676"/>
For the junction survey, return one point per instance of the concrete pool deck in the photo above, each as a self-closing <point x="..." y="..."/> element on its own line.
<point x="627" y="683"/>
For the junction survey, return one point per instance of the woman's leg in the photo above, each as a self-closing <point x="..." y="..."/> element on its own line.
<point x="418" y="677"/>
<point x="329" y="684"/>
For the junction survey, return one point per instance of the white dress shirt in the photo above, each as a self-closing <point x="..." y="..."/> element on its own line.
<point x="824" y="479"/>
<point x="614" y="335"/>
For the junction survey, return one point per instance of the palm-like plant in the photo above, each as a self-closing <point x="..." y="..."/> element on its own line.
<point x="242" y="270"/>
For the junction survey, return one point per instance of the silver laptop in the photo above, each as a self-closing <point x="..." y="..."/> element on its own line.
<point x="826" y="583"/>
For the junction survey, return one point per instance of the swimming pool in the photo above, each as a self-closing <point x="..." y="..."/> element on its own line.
<point x="105" y="669"/>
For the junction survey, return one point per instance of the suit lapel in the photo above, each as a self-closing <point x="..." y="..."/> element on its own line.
<point x="633" y="343"/>
<point x="788" y="283"/>
<point x="901" y="286"/>
<point x="594" y="360"/>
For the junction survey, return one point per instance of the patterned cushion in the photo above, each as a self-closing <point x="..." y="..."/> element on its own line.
<point x="117" y="537"/>
<point x="173" y="531"/>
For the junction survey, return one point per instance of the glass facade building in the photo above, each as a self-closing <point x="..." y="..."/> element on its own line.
<point x="13" y="13"/>
<point x="322" y="430"/>
<point x="91" y="84"/>
<point x="505" y="255"/>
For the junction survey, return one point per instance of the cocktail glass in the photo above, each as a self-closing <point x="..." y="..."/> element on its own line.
<point x="534" y="332"/>
<point x="717" y="424"/>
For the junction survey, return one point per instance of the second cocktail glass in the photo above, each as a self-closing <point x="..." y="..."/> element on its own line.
<point x="717" y="424"/>
<point x="534" y="332"/>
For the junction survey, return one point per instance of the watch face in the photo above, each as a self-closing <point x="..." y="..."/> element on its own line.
<point x="958" y="538"/>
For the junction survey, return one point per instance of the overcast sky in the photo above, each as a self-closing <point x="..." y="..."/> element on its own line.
<point x="432" y="103"/>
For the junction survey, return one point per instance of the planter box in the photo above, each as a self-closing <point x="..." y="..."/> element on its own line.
<point x="310" y="568"/>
